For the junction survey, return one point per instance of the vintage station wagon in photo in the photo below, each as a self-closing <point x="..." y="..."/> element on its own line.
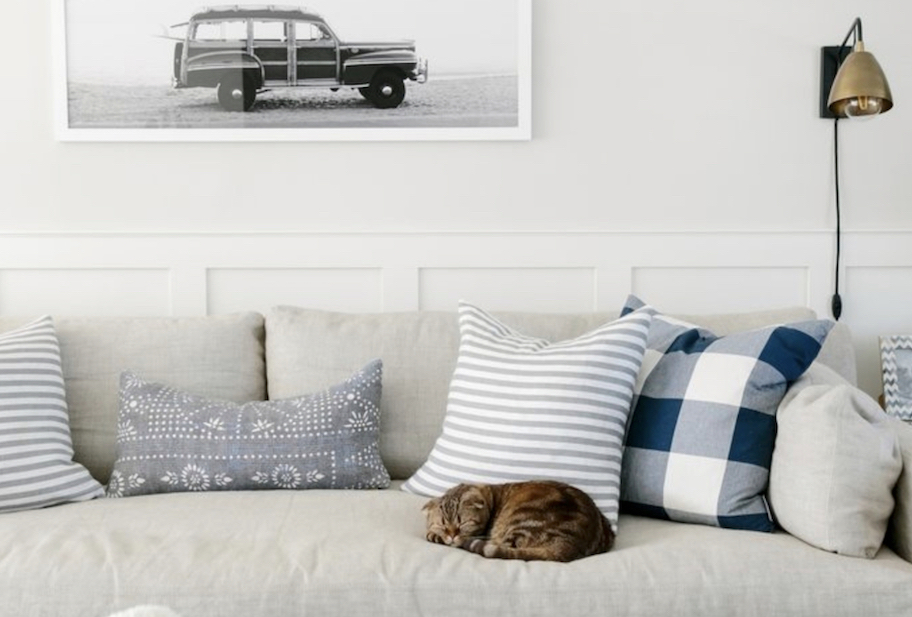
<point x="242" y="50"/>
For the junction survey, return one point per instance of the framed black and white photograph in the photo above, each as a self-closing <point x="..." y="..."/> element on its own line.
<point x="172" y="70"/>
<point x="896" y="361"/>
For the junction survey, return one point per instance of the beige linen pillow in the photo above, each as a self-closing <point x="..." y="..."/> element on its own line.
<point x="834" y="466"/>
<point x="899" y="534"/>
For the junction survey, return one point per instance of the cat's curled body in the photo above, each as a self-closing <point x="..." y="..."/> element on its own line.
<point x="536" y="520"/>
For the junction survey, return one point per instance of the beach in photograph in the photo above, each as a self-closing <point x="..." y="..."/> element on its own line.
<point x="446" y="102"/>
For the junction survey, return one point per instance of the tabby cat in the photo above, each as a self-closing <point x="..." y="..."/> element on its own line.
<point x="538" y="520"/>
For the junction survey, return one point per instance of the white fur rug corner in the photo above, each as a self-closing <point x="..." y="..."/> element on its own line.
<point x="147" y="611"/>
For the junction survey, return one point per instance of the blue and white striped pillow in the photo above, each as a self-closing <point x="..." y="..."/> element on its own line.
<point x="522" y="408"/>
<point x="36" y="453"/>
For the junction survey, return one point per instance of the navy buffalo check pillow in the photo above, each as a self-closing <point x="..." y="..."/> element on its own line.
<point x="700" y="437"/>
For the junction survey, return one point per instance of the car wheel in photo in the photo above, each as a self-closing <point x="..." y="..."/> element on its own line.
<point x="236" y="92"/>
<point x="386" y="90"/>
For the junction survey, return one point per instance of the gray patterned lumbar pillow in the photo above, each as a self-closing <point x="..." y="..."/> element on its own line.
<point x="171" y="441"/>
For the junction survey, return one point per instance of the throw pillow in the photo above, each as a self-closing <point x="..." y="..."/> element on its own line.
<point x="522" y="408"/>
<point x="836" y="462"/>
<point x="703" y="424"/>
<point x="170" y="441"/>
<point x="36" y="452"/>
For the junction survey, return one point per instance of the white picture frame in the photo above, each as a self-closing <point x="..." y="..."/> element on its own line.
<point x="896" y="364"/>
<point x="112" y="85"/>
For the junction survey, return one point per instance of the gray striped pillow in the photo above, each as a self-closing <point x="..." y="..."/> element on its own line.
<point x="521" y="408"/>
<point x="36" y="453"/>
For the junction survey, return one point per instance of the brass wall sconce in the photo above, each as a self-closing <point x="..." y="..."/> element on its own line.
<point x="852" y="85"/>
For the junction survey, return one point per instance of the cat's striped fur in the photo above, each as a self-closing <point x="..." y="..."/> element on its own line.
<point x="537" y="520"/>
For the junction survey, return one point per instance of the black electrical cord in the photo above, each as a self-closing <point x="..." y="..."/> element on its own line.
<point x="836" y="303"/>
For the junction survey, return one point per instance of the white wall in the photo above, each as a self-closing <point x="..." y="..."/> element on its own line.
<point x="647" y="117"/>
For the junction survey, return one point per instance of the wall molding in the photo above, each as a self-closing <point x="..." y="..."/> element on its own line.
<point x="197" y="273"/>
<point x="401" y="257"/>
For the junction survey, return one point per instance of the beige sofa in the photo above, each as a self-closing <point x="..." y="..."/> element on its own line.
<point x="353" y="553"/>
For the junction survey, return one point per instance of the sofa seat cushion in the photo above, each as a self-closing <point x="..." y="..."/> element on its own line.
<point x="358" y="553"/>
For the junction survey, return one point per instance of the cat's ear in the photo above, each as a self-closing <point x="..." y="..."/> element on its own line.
<point x="433" y="503"/>
<point x="476" y="502"/>
<point x="482" y="497"/>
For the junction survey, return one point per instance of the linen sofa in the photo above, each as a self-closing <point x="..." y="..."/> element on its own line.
<point x="363" y="552"/>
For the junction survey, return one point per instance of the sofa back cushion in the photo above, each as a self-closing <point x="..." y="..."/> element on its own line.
<point x="217" y="357"/>
<point x="309" y="350"/>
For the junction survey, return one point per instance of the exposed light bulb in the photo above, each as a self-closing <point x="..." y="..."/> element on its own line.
<point x="863" y="107"/>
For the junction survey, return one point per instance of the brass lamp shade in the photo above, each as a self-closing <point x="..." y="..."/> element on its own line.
<point x="860" y="87"/>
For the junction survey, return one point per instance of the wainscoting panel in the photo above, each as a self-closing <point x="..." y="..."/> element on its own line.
<point x="556" y="290"/>
<point x="81" y="291"/>
<point x="878" y="302"/>
<point x="679" y="272"/>
<point x="356" y="290"/>
<point x="721" y="289"/>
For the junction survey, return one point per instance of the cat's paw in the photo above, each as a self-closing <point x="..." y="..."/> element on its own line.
<point x="433" y="537"/>
<point x="474" y="545"/>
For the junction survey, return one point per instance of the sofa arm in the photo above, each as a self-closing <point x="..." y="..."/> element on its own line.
<point x="899" y="534"/>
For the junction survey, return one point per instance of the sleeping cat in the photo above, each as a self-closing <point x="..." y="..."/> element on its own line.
<point x="538" y="520"/>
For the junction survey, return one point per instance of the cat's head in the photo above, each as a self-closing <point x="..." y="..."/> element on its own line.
<point x="461" y="514"/>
